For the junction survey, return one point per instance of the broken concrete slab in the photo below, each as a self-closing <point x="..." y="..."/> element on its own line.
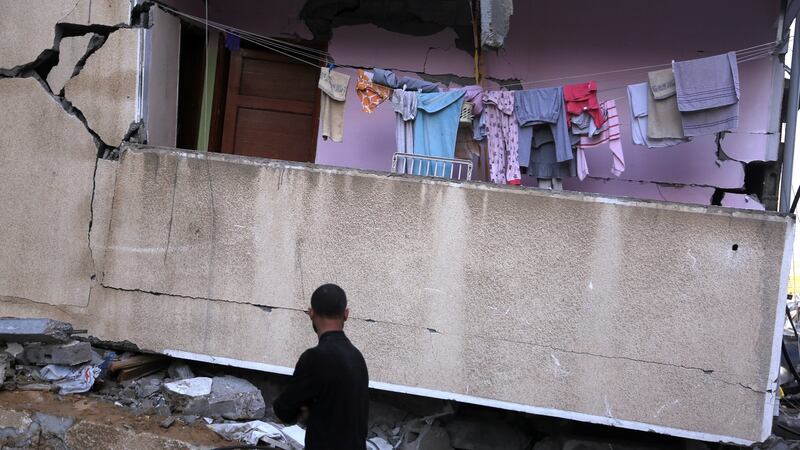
<point x="47" y="258"/>
<point x="234" y="398"/>
<point x="105" y="90"/>
<point x="69" y="354"/>
<point x="99" y="12"/>
<point x="189" y="396"/>
<point x="70" y="51"/>
<point x="14" y="329"/>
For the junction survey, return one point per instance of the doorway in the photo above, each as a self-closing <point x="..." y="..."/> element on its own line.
<point x="271" y="107"/>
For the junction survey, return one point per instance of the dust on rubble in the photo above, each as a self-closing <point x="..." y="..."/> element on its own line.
<point x="83" y="408"/>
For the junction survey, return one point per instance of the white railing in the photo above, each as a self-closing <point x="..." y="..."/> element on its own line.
<point x="432" y="166"/>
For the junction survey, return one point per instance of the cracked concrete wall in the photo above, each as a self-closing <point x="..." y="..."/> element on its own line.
<point x="108" y="83"/>
<point x="45" y="206"/>
<point x="569" y="315"/>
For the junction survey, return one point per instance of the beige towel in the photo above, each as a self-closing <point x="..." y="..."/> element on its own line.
<point x="331" y="110"/>
<point x="663" y="117"/>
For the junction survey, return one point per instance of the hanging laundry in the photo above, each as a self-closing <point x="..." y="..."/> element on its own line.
<point x="331" y="104"/>
<point x="609" y="134"/>
<point x="542" y="106"/>
<point x="436" y="126"/>
<point x="663" y="117"/>
<point x="405" y="107"/>
<point x="503" y="137"/>
<point x="637" y="100"/>
<point x="388" y="78"/>
<point x="470" y="149"/>
<point x="474" y="94"/>
<point x="543" y="162"/>
<point x="582" y="97"/>
<point x="583" y="124"/>
<point x="708" y="94"/>
<point x="370" y="94"/>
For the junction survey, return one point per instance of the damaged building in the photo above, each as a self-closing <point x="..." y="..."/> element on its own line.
<point x="166" y="183"/>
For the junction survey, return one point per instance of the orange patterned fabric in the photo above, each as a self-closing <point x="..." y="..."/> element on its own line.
<point x="370" y="94"/>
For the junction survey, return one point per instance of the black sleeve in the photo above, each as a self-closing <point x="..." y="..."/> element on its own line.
<point x="302" y="389"/>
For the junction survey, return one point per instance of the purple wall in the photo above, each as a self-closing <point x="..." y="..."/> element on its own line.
<point x="553" y="40"/>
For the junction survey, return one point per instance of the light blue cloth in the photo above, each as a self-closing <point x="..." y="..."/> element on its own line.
<point x="436" y="127"/>
<point x="637" y="100"/>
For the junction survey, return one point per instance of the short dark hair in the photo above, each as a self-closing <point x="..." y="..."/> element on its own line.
<point x="329" y="300"/>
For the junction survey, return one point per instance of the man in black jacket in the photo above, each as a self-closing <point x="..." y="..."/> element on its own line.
<point x="329" y="381"/>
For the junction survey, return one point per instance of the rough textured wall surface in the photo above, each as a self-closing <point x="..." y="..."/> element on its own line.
<point x="45" y="197"/>
<point x="562" y="304"/>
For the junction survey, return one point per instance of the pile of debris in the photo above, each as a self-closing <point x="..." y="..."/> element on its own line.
<point x="46" y="355"/>
<point x="170" y="394"/>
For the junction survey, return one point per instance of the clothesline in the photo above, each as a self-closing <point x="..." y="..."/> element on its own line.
<point x="298" y="52"/>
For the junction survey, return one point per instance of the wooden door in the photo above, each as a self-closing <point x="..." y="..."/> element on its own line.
<point x="271" y="107"/>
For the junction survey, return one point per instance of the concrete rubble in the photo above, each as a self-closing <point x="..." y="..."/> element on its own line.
<point x="34" y="330"/>
<point x="68" y="354"/>
<point x="174" y="394"/>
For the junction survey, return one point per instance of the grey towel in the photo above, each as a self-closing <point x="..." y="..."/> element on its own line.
<point x="708" y="94"/>
<point x="637" y="100"/>
<point x="544" y="106"/>
<point x="664" y="118"/>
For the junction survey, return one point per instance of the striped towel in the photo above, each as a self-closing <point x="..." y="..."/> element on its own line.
<point x="609" y="134"/>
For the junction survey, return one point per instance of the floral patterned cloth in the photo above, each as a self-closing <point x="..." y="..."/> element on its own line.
<point x="370" y="94"/>
<point x="502" y="134"/>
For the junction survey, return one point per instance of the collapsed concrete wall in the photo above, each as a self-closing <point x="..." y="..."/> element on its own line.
<point x="561" y="304"/>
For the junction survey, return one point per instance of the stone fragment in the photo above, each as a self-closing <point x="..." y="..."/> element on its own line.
<point x="166" y="423"/>
<point x="179" y="370"/>
<point x="5" y="366"/>
<point x="13" y="329"/>
<point x="14" y="349"/>
<point x="148" y="386"/>
<point x="189" y="396"/>
<point x="189" y="419"/>
<point x="420" y="435"/>
<point x="70" y="51"/>
<point x="105" y="89"/>
<point x="69" y="354"/>
<point x="234" y="398"/>
<point x="53" y="426"/>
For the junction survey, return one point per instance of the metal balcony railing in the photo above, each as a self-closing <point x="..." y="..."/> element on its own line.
<point x="432" y="166"/>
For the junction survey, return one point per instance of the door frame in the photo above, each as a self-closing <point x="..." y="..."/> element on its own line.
<point x="228" y="109"/>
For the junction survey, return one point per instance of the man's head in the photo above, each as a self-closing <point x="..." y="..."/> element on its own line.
<point x="328" y="310"/>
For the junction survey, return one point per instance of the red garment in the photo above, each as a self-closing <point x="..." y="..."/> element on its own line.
<point x="583" y="97"/>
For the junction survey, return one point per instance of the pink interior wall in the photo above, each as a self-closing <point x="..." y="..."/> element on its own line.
<point x="549" y="42"/>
